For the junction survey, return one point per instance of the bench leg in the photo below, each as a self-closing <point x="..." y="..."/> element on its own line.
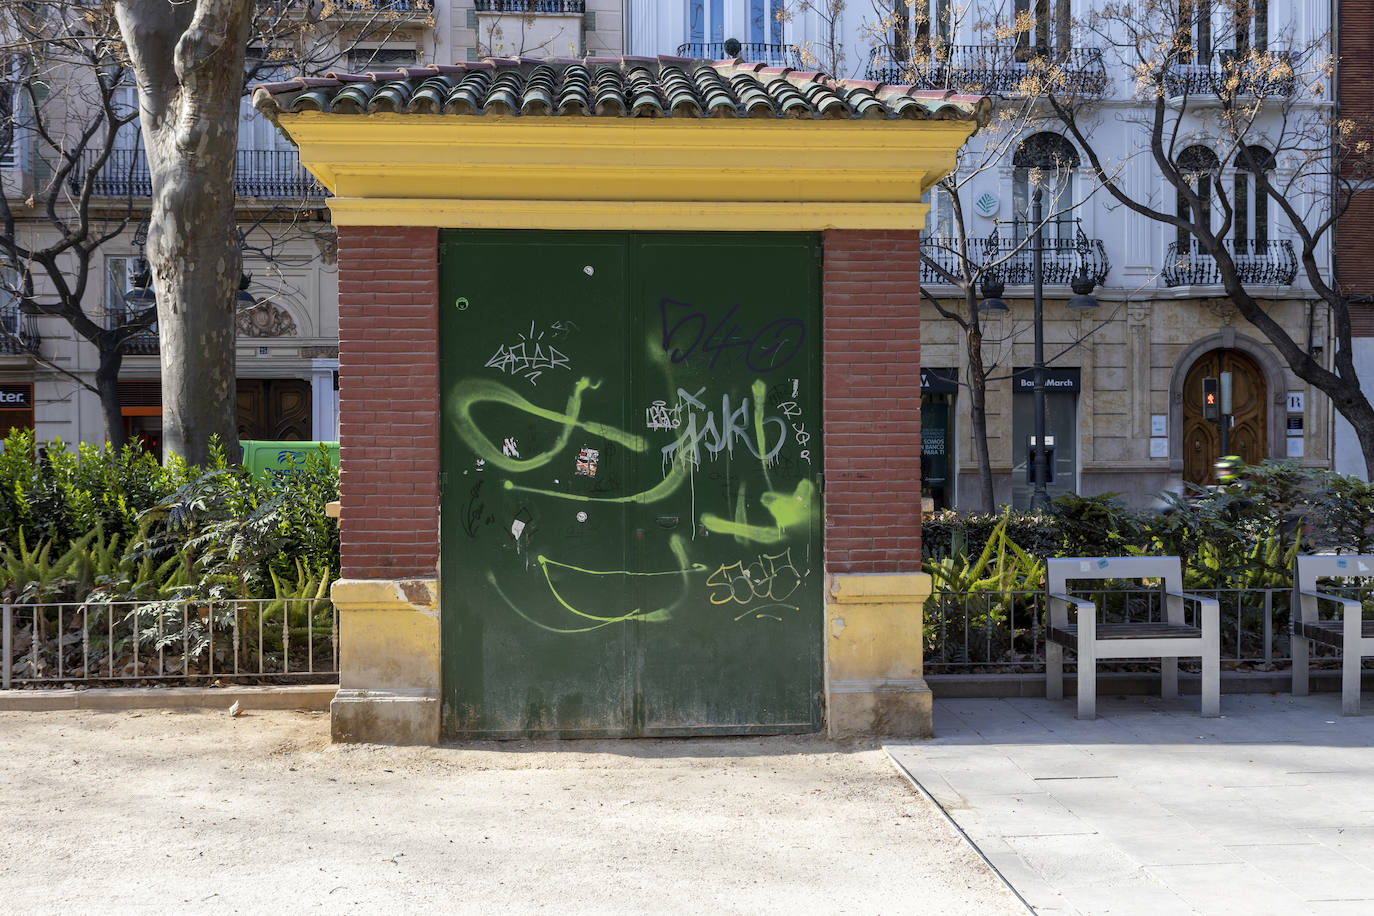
<point x="1087" y="681"/>
<point x="1300" y="649"/>
<point x="1211" y="674"/>
<point x="1054" y="671"/>
<point x="1350" y="680"/>
<point x="1168" y="678"/>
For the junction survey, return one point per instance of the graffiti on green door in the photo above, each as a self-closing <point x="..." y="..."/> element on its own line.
<point x="684" y="432"/>
<point x="631" y="523"/>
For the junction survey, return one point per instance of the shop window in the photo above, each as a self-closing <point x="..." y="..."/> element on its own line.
<point x="938" y="389"/>
<point x="16" y="407"/>
<point x="1061" y="432"/>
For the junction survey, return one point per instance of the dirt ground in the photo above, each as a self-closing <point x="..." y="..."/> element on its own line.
<point x="190" y="811"/>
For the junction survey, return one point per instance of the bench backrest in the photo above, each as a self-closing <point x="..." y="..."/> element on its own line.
<point x="1058" y="572"/>
<point x="1307" y="568"/>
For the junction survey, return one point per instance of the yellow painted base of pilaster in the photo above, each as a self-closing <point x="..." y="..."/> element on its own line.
<point x="873" y="678"/>
<point x="388" y="661"/>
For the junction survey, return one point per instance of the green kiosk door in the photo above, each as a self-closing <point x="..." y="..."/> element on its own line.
<point x="631" y="525"/>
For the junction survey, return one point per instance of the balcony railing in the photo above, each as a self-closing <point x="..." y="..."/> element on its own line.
<point x="992" y="69"/>
<point x="1269" y="263"/>
<point x="408" y="9"/>
<point x="142" y="343"/>
<point x="1067" y="254"/>
<point x="258" y="174"/>
<point x="20" y="331"/>
<point x="756" y="52"/>
<point x="572" y="7"/>
<point x="1229" y="73"/>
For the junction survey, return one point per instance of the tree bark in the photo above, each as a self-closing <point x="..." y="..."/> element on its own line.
<point x="189" y="60"/>
<point x="107" y="386"/>
<point x="978" y="415"/>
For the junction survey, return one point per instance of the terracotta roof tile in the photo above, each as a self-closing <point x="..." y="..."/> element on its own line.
<point x="637" y="87"/>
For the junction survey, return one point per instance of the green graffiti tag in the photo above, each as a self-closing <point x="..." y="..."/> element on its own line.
<point x="685" y="569"/>
<point x="789" y="511"/>
<point x="468" y="393"/>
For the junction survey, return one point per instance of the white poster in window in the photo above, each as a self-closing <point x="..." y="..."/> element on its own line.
<point x="1159" y="448"/>
<point x="1295" y="448"/>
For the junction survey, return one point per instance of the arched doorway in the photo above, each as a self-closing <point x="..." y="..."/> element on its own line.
<point x="1202" y="438"/>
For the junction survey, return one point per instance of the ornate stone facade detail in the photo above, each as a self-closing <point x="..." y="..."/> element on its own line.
<point x="266" y="320"/>
<point x="1224" y="311"/>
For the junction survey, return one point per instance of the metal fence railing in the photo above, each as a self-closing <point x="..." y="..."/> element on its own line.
<point x="272" y="640"/>
<point x="998" y="632"/>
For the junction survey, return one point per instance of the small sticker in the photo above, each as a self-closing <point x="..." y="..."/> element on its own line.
<point x="1103" y="564"/>
<point x="481" y="464"/>
<point x="589" y="270"/>
<point x="519" y="523"/>
<point x="586" y="462"/>
<point x="1341" y="564"/>
<point x="581" y="516"/>
<point x="509" y="448"/>
<point x="461" y="304"/>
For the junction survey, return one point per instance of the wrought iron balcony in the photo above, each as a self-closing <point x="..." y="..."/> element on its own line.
<point x="394" y="9"/>
<point x="258" y="175"/>
<point x="1068" y="253"/>
<point x="1269" y="263"/>
<point x="141" y="343"/>
<point x="20" y="331"/>
<point x="1229" y="73"/>
<point x="756" y="52"/>
<point x="1001" y="69"/>
<point x="571" y="7"/>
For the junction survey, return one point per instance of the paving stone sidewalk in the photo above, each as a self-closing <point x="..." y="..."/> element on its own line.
<point x="1153" y="809"/>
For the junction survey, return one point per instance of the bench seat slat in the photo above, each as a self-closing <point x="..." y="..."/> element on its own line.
<point x="1067" y="635"/>
<point x="1330" y="632"/>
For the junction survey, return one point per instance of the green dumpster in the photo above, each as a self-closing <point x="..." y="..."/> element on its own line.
<point x="261" y="456"/>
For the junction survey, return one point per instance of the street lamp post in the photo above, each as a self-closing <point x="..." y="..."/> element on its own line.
<point x="1082" y="300"/>
<point x="1040" y="495"/>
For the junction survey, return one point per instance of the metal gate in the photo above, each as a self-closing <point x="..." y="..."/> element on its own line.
<point x="631" y="525"/>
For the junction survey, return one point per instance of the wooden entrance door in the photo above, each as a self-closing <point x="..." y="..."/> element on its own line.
<point x="1249" y="400"/>
<point x="275" y="409"/>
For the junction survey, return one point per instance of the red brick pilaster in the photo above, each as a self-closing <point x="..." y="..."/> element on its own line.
<point x="872" y="392"/>
<point x="389" y="401"/>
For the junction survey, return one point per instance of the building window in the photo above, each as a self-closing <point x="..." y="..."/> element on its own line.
<point x="363" y="60"/>
<point x="1046" y="162"/>
<point x="1195" y="31"/>
<point x="1252" y="26"/>
<point x="1042" y="26"/>
<point x="1251" y="201"/>
<point x="1197" y="165"/>
<point x="940" y="216"/>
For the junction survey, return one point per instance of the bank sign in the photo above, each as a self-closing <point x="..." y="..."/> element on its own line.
<point x="15" y="396"/>
<point x="1055" y="379"/>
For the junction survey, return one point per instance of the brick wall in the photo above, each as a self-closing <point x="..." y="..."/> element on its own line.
<point x="1354" y="266"/>
<point x="872" y="393"/>
<point x="389" y="401"/>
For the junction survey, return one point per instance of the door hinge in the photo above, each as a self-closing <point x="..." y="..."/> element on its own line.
<point x="443" y="482"/>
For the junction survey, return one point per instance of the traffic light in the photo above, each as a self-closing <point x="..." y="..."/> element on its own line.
<point x="1211" y="407"/>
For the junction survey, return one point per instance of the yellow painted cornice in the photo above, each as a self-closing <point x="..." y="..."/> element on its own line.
<point x="622" y="173"/>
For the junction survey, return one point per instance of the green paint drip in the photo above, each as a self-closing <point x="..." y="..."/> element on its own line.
<point x="760" y="391"/>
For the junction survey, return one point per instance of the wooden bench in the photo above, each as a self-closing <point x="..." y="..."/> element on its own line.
<point x="1350" y="633"/>
<point x="1168" y="640"/>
